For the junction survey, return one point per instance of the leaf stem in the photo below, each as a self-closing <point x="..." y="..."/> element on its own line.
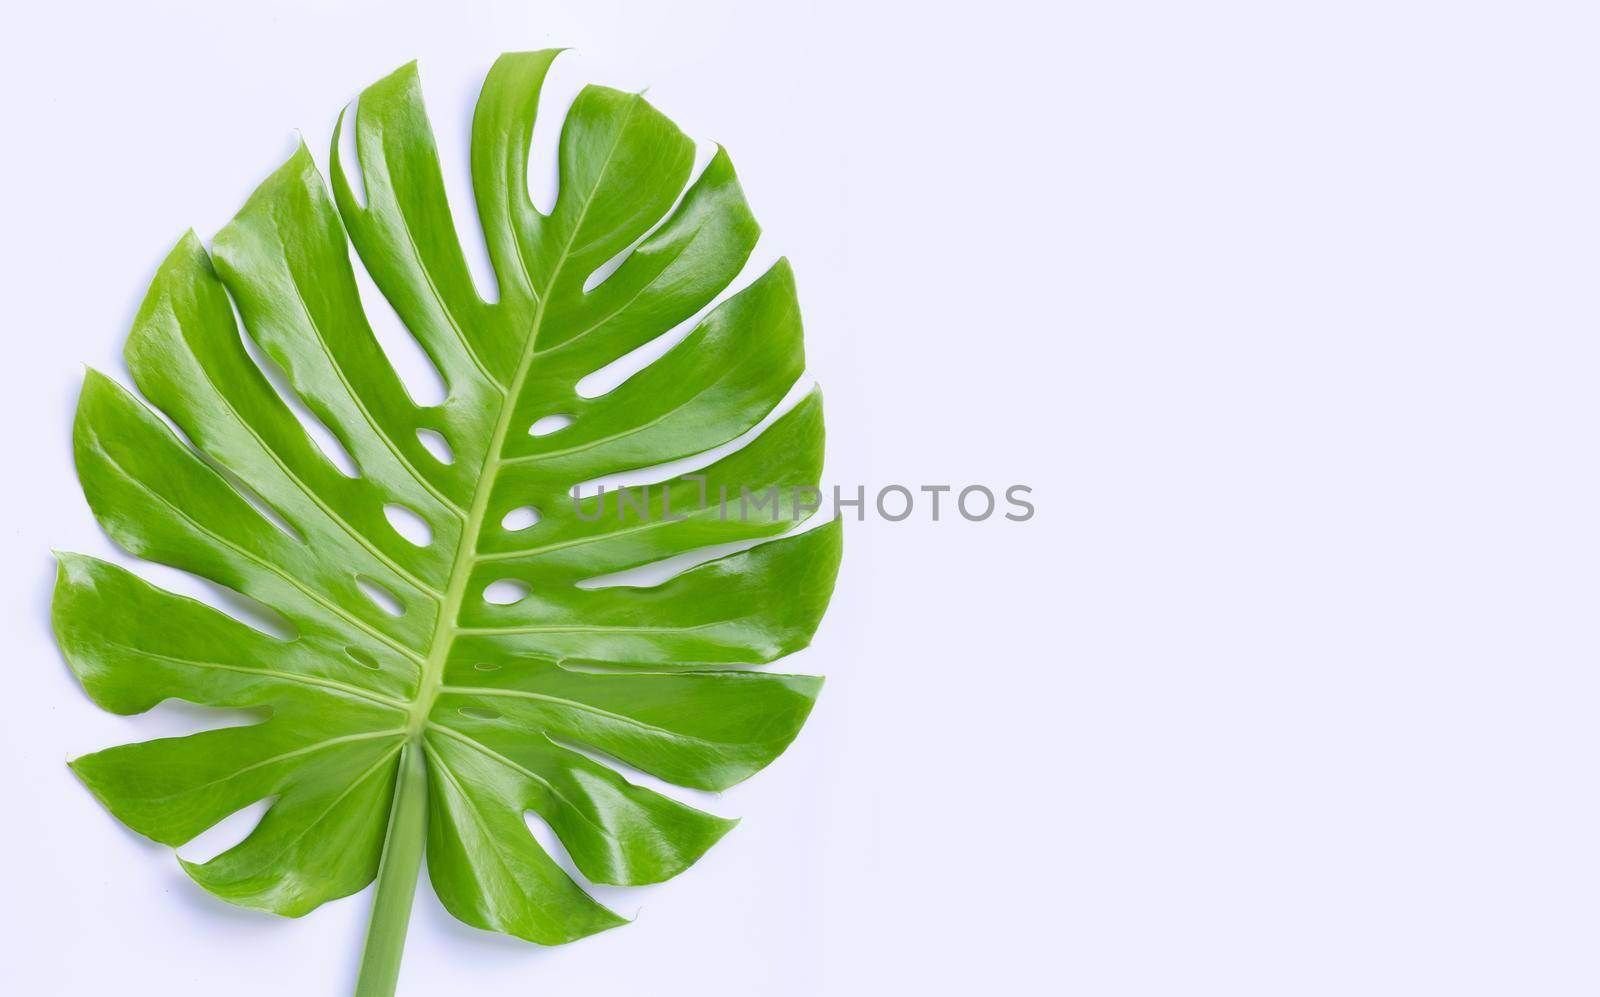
<point x="408" y="816"/>
<point x="397" y="877"/>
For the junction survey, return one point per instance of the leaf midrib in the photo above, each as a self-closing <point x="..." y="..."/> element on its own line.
<point x="445" y="629"/>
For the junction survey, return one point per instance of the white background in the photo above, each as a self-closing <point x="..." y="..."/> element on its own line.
<point x="1287" y="312"/>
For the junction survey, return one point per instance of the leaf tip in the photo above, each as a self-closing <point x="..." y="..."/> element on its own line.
<point x="188" y="243"/>
<point x="79" y="767"/>
<point x="407" y="74"/>
<point x="96" y="385"/>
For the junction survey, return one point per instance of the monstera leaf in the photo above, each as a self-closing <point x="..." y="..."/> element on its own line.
<point x="408" y="713"/>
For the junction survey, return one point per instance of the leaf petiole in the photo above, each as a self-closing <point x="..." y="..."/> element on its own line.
<point x="397" y="877"/>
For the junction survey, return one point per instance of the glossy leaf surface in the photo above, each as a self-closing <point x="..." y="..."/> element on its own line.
<point x="399" y="672"/>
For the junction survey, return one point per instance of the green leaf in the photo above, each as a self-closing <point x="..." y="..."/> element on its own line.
<point x="453" y="719"/>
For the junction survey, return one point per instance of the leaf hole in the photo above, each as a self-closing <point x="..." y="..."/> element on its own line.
<point x="700" y="799"/>
<point x="270" y="514"/>
<point x="363" y="658"/>
<point x="659" y="473"/>
<point x="544" y="145"/>
<point x="181" y="718"/>
<point x="552" y="845"/>
<point x="520" y="518"/>
<point x="243" y="609"/>
<point x="478" y="713"/>
<point x="349" y="155"/>
<point x="409" y="524"/>
<point x="506" y="591"/>
<point x="261" y="505"/>
<point x="452" y="131"/>
<point x="612" y="375"/>
<point x="609" y="267"/>
<point x="331" y="446"/>
<point x="658" y="572"/>
<point x="436" y="444"/>
<point x="381" y="596"/>
<point x="226" y="833"/>
<point x="417" y="371"/>
<point x="484" y="666"/>
<point x="703" y="153"/>
<point x="323" y="438"/>
<point x="550" y="424"/>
